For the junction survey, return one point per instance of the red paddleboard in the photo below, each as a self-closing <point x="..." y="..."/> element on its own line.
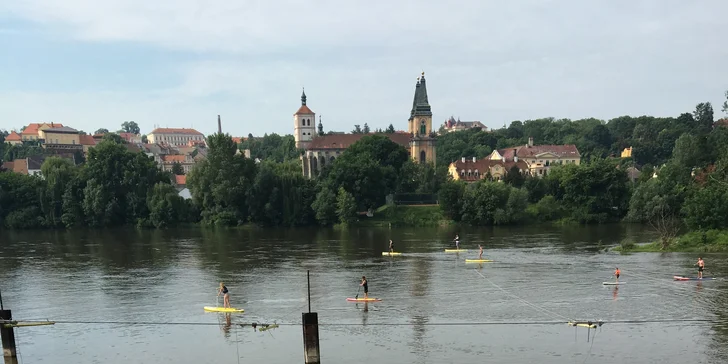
<point x="363" y="299"/>
<point x="681" y="278"/>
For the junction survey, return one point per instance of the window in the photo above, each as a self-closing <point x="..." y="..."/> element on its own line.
<point x="462" y="173"/>
<point x="423" y="156"/>
<point x="303" y="122"/>
<point x="423" y="127"/>
<point x="477" y="174"/>
<point x="470" y="173"/>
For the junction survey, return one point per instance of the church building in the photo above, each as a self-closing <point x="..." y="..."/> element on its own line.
<point x="319" y="150"/>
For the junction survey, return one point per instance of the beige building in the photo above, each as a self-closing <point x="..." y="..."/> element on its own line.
<point x="452" y="125"/>
<point x="59" y="135"/>
<point x="14" y="138"/>
<point x="175" y="136"/>
<point x="33" y="130"/>
<point x="535" y="160"/>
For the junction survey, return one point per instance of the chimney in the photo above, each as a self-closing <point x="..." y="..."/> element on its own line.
<point x="530" y="141"/>
<point x="473" y="159"/>
<point x="219" y="125"/>
<point x="463" y="159"/>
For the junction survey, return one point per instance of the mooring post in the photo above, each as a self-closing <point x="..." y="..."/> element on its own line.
<point x="310" y="331"/>
<point x="8" y="337"/>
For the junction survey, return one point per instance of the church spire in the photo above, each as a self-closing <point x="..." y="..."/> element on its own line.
<point x="303" y="97"/>
<point x="421" y="105"/>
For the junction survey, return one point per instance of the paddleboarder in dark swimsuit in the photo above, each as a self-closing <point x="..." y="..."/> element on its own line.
<point x="391" y="246"/>
<point x="701" y="266"/>
<point x="365" y="285"/>
<point x="226" y="295"/>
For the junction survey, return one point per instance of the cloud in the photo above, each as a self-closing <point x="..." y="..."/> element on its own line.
<point x="492" y="61"/>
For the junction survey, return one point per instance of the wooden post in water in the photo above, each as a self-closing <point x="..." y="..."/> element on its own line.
<point x="310" y="332"/>
<point x="8" y="338"/>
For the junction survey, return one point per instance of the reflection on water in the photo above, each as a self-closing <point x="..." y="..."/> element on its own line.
<point x="130" y="275"/>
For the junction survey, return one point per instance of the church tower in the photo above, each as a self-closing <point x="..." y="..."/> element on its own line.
<point x="304" y="124"/>
<point x="422" y="144"/>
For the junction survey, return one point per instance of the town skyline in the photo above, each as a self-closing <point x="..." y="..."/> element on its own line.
<point x="84" y="66"/>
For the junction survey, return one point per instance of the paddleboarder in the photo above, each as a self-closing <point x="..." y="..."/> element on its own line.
<point x="480" y="256"/>
<point x="365" y="285"/>
<point x="226" y="295"/>
<point x="457" y="242"/>
<point x="616" y="273"/>
<point x="391" y="246"/>
<point x="701" y="266"/>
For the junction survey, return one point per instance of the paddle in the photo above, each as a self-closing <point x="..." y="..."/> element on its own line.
<point x="357" y="293"/>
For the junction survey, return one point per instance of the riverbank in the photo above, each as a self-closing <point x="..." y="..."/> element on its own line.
<point x="406" y="216"/>
<point x="695" y="241"/>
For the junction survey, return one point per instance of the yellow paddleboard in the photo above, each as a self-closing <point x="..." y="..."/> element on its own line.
<point x="388" y="253"/>
<point x="223" y="309"/>
<point x="478" y="261"/>
<point x="455" y="250"/>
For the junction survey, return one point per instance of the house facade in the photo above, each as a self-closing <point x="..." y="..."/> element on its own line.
<point x="452" y="125"/>
<point x="534" y="160"/>
<point x="175" y="136"/>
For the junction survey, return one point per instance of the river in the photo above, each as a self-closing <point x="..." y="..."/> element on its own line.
<point x="435" y="308"/>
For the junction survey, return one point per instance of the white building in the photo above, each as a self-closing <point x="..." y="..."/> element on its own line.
<point x="304" y="124"/>
<point x="175" y="136"/>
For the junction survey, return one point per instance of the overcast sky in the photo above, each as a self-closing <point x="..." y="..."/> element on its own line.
<point x="180" y="63"/>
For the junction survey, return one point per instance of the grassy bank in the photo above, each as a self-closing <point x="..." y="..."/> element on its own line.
<point x="404" y="216"/>
<point x="694" y="241"/>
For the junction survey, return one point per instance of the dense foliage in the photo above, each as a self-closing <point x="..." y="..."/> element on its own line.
<point x="114" y="187"/>
<point x="688" y="155"/>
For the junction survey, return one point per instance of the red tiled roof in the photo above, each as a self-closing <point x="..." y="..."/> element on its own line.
<point x="87" y="140"/>
<point x="173" y="158"/>
<point x="180" y="180"/>
<point x="343" y="141"/>
<point x="238" y="140"/>
<point x="562" y="151"/>
<point x="175" y="131"/>
<point x="303" y="110"/>
<point x="32" y="128"/>
<point x="13" y="137"/>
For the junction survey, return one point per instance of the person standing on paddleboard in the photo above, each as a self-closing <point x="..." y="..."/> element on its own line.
<point x="457" y="242"/>
<point x="226" y="295"/>
<point x="616" y="273"/>
<point x="391" y="246"/>
<point x="365" y="285"/>
<point x="701" y="266"/>
<point x="480" y="256"/>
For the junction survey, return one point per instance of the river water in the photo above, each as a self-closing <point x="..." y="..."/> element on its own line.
<point x="128" y="296"/>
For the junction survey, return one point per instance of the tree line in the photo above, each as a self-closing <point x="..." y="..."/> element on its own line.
<point x="687" y="154"/>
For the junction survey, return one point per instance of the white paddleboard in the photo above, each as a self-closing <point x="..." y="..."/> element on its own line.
<point x="613" y="283"/>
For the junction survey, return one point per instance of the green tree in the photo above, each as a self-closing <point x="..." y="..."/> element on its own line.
<point x="368" y="169"/>
<point x="325" y="207"/>
<point x="101" y="131"/>
<point x="357" y="130"/>
<point x="514" y="177"/>
<point x="450" y="198"/>
<point x="706" y="208"/>
<point x="118" y="183"/>
<point x="366" y="129"/>
<point x="166" y="207"/>
<point x="345" y="207"/>
<point x="130" y="127"/>
<point x="703" y="117"/>
<point x="58" y="173"/>
<point x="725" y="103"/>
<point x="390" y="128"/>
<point x="220" y="184"/>
<point x="177" y="169"/>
